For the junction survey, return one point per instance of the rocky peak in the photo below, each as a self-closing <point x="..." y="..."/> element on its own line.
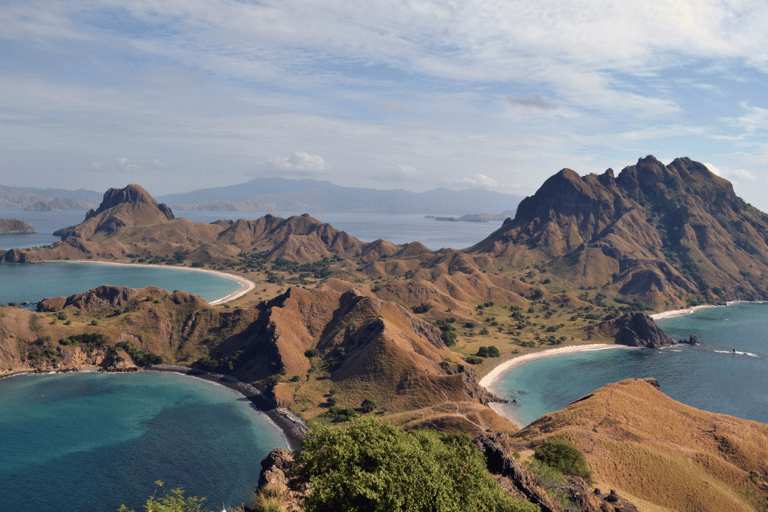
<point x="133" y="194"/>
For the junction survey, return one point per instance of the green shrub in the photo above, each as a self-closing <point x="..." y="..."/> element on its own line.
<point x="372" y="466"/>
<point x="174" y="501"/>
<point x="473" y="359"/>
<point x="336" y="414"/>
<point x="368" y="405"/>
<point x="312" y="352"/>
<point x="565" y="457"/>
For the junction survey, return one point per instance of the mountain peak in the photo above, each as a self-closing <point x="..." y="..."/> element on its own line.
<point x="132" y="194"/>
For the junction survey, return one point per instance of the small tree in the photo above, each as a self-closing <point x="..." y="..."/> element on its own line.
<point x="368" y="405"/>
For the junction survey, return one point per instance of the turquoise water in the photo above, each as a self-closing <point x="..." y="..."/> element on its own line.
<point x="41" y="280"/>
<point x="708" y="376"/>
<point x="92" y="441"/>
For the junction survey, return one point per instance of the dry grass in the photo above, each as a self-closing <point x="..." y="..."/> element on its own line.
<point x="640" y="441"/>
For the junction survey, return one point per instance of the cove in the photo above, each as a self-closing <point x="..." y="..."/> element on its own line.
<point x="37" y="281"/>
<point x="709" y="376"/>
<point x="92" y="441"/>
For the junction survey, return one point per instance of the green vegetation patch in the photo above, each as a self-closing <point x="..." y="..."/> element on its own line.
<point x="372" y="466"/>
<point x="139" y="357"/>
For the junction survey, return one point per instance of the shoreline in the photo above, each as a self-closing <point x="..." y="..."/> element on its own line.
<point x="246" y="285"/>
<point x="290" y="425"/>
<point x="491" y="380"/>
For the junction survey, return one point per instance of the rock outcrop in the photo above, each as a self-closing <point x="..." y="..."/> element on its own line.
<point x="639" y="330"/>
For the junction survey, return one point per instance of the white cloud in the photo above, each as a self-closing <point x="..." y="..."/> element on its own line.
<point x="126" y="165"/>
<point x="712" y="169"/>
<point x="479" y="180"/>
<point x="298" y="165"/>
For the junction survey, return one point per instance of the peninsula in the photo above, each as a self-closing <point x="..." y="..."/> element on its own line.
<point x="332" y="322"/>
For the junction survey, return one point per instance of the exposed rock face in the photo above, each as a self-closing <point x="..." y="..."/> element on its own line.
<point x="132" y="194"/>
<point x="497" y="451"/>
<point x="639" y="330"/>
<point x="656" y="231"/>
<point x="15" y="227"/>
<point x="95" y="299"/>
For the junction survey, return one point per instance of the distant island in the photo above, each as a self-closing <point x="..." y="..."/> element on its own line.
<point x="475" y="217"/>
<point x="15" y="227"/>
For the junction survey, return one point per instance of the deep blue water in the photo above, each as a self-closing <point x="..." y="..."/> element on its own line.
<point x="708" y="376"/>
<point x="92" y="441"/>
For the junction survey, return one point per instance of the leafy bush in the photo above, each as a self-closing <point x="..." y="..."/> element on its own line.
<point x="423" y="308"/>
<point x="565" y="457"/>
<point x="491" y="351"/>
<point x="312" y="352"/>
<point x="139" y="357"/>
<point x="336" y="414"/>
<point x="372" y="466"/>
<point x="173" y="501"/>
<point x="473" y="359"/>
<point x="368" y="405"/>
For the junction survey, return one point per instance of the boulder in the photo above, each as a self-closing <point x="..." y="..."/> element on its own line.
<point x="639" y="330"/>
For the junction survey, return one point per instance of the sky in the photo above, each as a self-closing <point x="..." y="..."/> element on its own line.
<point x="180" y="95"/>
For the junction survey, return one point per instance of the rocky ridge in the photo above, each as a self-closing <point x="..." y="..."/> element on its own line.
<point x="658" y="232"/>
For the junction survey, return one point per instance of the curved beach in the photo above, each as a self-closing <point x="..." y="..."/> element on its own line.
<point x="246" y="285"/>
<point x="491" y="380"/>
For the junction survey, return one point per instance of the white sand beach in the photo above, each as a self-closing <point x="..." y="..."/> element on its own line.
<point x="680" y="312"/>
<point x="246" y="285"/>
<point x="491" y="380"/>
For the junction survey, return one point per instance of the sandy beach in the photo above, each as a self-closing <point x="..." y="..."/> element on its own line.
<point x="491" y="380"/>
<point x="246" y="285"/>
<point x="680" y="312"/>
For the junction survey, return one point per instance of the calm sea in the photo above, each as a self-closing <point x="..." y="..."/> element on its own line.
<point x="709" y="376"/>
<point x="90" y="441"/>
<point x="53" y="279"/>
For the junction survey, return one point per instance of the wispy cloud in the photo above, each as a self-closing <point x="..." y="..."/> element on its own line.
<point x="535" y="100"/>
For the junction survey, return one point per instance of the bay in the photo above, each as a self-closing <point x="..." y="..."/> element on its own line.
<point x="37" y="281"/>
<point x="709" y="376"/>
<point x="92" y="441"/>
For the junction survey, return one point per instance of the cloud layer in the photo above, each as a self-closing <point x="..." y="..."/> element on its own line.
<point x="416" y="94"/>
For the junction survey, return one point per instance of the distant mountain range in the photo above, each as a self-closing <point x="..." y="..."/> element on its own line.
<point x="309" y="196"/>
<point x="283" y="195"/>
<point x="55" y="198"/>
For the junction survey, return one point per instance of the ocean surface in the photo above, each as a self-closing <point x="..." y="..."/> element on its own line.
<point x="37" y="281"/>
<point x="709" y="376"/>
<point x="90" y="441"/>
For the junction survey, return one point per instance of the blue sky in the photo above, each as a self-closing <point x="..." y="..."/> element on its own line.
<point x="181" y="95"/>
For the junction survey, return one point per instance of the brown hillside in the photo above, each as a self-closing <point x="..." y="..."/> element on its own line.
<point x="648" y="446"/>
<point x="665" y="233"/>
<point x="14" y="226"/>
<point x="130" y="223"/>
